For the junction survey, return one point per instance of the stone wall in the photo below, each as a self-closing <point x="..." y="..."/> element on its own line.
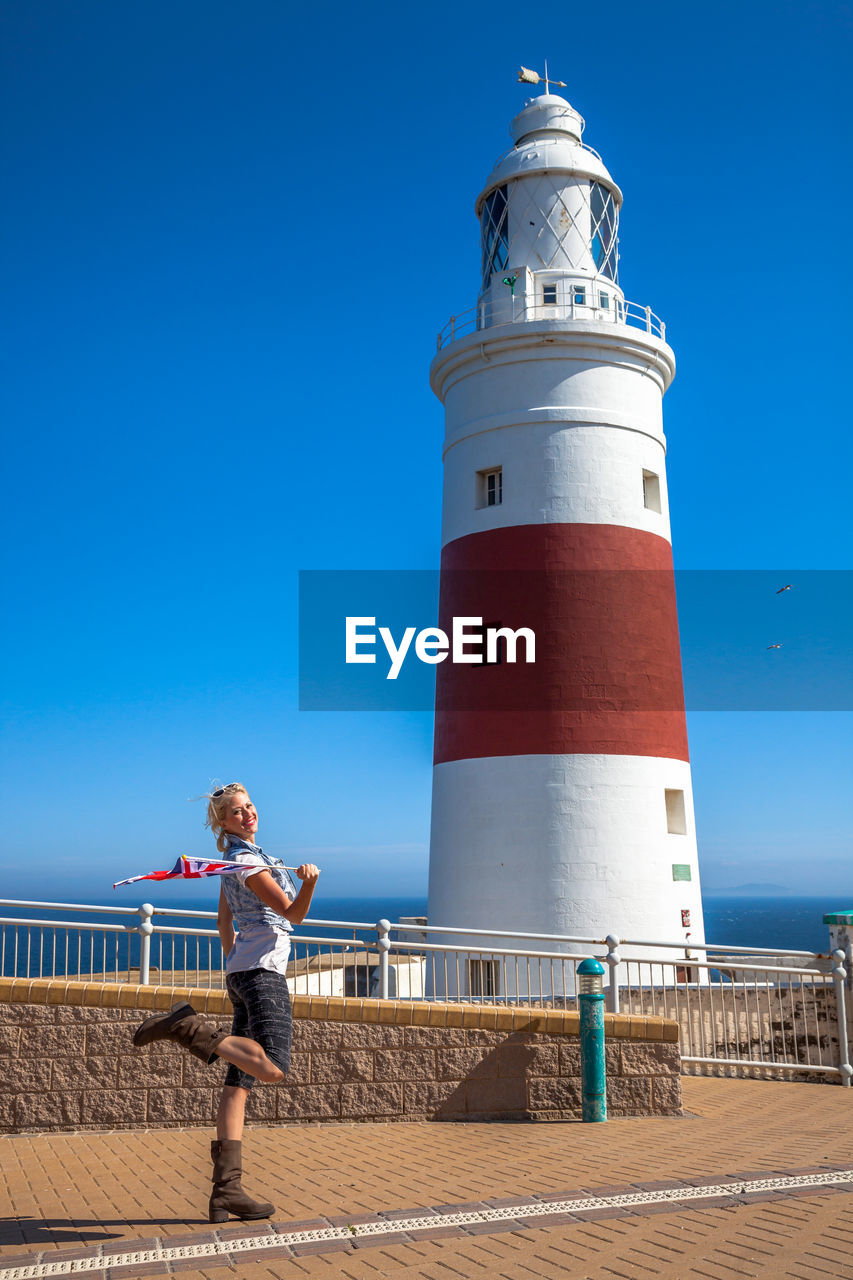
<point x="68" y="1063"/>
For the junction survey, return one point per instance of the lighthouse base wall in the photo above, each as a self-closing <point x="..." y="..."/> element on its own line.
<point x="579" y="845"/>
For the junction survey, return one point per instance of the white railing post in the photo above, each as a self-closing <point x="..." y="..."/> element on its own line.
<point x="146" y="928"/>
<point x="648" y="319"/>
<point x="613" y="958"/>
<point x="839" y="973"/>
<point x="383" y="945"/>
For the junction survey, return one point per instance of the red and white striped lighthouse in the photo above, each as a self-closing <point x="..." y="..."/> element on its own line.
<point x="562" y="799"/>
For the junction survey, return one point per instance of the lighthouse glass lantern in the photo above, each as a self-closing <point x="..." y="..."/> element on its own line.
<point x="562" y="800"/>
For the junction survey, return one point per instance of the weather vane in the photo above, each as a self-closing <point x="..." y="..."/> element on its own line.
<point x="526" y="76"/>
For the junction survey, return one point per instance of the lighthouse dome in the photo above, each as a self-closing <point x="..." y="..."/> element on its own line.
<point x="547" y="137"/>
<point x="548" y="112"/>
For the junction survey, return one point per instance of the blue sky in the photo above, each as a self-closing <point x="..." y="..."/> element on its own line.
<point x="230" y="236"/>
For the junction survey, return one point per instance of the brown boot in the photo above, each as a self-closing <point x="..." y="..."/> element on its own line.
<point x="228" y="1195"/>
<point x="186" y="1027"/>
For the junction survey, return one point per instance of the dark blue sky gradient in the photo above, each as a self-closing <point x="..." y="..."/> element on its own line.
<point x="230" y="235"/>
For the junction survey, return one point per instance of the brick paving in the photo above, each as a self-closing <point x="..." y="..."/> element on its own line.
<point x="67" y="1197"/>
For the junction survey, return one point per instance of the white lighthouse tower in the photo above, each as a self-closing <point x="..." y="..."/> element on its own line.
<point x="562" y="798"/>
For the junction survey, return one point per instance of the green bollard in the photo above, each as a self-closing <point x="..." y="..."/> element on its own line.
<point x="593" y="1076"/>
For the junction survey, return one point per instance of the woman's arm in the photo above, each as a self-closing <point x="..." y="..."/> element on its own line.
<point x="225" y="923"/>
<point x="272" y="895"/>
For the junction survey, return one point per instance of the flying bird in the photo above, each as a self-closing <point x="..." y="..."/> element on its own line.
<point x="774" y="646"/>
<point x="781" y="589"/>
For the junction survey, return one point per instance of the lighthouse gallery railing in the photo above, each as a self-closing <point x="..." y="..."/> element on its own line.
<point x="599" y="304"/>
<point x="757" y="1009"/>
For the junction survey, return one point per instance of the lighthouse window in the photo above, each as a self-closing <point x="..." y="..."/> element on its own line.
<point x="603" y="222"/>
<point x="604" y="301"/>
<point x="495" y="234"/>
<point x="651" y="491"/>
<point x="482" y="979"/>
<point x="549" y="295"/>
<point x="489" y="488"/>
<point x="579" y="295"/>
<point x="676" y="819"/>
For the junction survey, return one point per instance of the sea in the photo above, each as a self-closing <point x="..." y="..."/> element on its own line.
<point x="789" y="922"/>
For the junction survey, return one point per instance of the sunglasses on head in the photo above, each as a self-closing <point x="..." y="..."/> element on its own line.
<point x="220" y="791"/>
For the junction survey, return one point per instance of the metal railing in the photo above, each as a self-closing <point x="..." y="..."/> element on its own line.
<point x="759" y="1010"/>
<point x="520" y="309"/>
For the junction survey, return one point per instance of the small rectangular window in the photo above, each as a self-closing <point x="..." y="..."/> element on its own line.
<point x="651" y="491"/>
<point x="676" y="818"/>
<point x="681" y="871"/>
<point x="604" y="301"/>
<point x="483" y="979"/>
<point x="489" y="487"/>
<point x="549" y="295"/>
<point x="579" y="295"/>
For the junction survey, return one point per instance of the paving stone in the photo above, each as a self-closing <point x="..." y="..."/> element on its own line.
<point x="241" y="1257"/>
<point x="131" y="1269"/>
<point x="136" y="1245"/>
<point x="380" y="1242"/>
<point x="548" y="1220"/>
<point x="353" y="1219"/>
<point x="492" y="1228"/>
<point x="260" y="1228"/>
<point x="550" y="1197"/>
<point x="467" y="1206"/>
<point x="300" y="1224"/>
<point x="197" y="1237"/>
<point x="599" y="1215"/>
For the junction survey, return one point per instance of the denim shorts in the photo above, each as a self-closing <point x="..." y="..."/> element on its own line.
<point x="262" y="1012"/>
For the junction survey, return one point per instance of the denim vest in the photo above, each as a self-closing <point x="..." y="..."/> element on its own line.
<point x="250" y="914"/>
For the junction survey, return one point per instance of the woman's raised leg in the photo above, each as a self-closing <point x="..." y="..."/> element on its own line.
<point x="247" y="1055"/>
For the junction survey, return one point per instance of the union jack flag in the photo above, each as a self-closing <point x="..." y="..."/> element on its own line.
<point x="195" y="869"/>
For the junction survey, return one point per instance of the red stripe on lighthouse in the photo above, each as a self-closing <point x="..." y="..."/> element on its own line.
<point x="607" y="677"/>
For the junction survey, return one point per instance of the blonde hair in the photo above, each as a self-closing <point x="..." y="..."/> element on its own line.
<point x="217" y="803"/>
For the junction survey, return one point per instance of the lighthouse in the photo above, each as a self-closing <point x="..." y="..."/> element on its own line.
<point x="562" y="800"/>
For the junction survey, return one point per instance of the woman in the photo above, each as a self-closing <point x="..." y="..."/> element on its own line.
<point x="264" y="905"/>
